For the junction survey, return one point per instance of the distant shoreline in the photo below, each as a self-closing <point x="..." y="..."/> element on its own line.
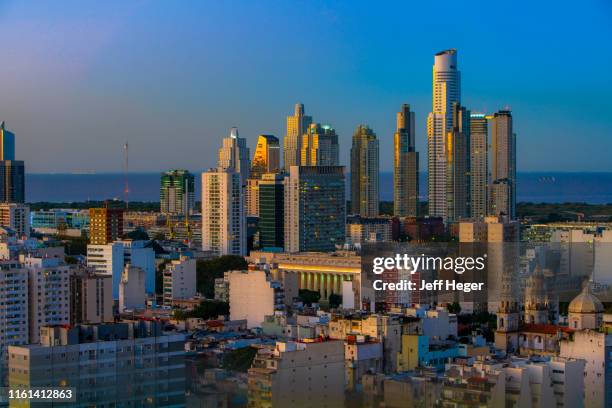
<point x="535" y="187"/>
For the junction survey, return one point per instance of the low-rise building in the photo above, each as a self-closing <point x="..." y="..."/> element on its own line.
<point x="254" y="295"/>
<point x="91" y="299"/>
<point x="416" y="351"/>
<point x="179" y="280"/>
<point x="362" y="355"/>
<point x="132" y="294"/>
<point x="361" y="230"/>
<point x="298" y="375"/>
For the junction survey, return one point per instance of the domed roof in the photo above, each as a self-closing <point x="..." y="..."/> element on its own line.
<point x="585" y="302"/>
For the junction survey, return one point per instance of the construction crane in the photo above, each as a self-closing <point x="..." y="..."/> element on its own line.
<point x="579" y="215"/>
<point x="126" y="189"/>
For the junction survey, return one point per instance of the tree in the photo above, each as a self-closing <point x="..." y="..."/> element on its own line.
<point x="240" y="359"/>
<point x="205" y="310"/>
<point x="138" y="234"/>
<point x="335" y="300"/>
<point x="308" y="297"/>
<point x="209" y="270"/>
<point x="454" y="307"/>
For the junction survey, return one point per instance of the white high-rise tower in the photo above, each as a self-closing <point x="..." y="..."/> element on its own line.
<point x="446" y="92"/>
<point x="234" y="155"/>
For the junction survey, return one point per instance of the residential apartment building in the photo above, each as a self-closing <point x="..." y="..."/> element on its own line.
<point x="179" y="280"/>
<point x="130" y="363"/>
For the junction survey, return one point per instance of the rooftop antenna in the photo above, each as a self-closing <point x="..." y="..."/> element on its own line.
<point x="126" y="190"/>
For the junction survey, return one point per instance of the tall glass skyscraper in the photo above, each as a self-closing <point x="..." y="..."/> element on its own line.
<point x="364" y="172"/>
<point x="405" y="166"/>
<point x="12" y="172"/>
<point x="503" y="166"/>
<point x="267" y="156"/>
<point x="446" y="92"/>
<point x="176" y="192"/>
<point x="271" y="211"/>
<point x="479" y="136"/>
<point x="457" y="170"/>
<point x="265" y="160"/>
<point x="7" y="143"/>
<point x="315" y="208"/>
<point x="320" y="146"/>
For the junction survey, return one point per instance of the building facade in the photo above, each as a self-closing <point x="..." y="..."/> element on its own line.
<point x="479" y="165"/>
<point x="457" y="154"/>
<point x="12" y="181"/>
<point x="503" y="165"/>
<point x="364" y="172"/>
<point x="272" y="211"/>
<point x="253" y="295"/>
<point x="319" y="146"/>
<point x="297" y="125"/>
<point x="223" y="217"/>
<point x="105" y="225"/>
<point x="405" y="166"/>
<point x="179" y="280"/>
<point x="315" y="208"/>
<point x="7" y="143"/>
<point x="299" y="375"/>
<point x="446" y="92"/>
<point x="234" y="154"/>
<point x="90" y="297"/>
<point x="131" y="363"/>
<point x="14" y="308"/>
<point x="48" y="294"/>
<point x="107" y="260"/>
<point x="16" y="217"/>
<point x="266" y="158"/>
<point x="176" y="192"/>
<point x="132" y="294"/>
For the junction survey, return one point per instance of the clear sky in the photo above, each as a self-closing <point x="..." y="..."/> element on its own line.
<point x="171" y="77"/>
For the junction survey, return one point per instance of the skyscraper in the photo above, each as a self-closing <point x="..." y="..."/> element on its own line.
<point x="364" y="172"/>
<point x="503" y="166"/>
<point x="479" y="164"/>
<point x="7" y="143"/>
<point x="223" y="218"/>
<point x="267" y="156"/>
<point x="315" y="208"/>
<point x="446" y="92"/>
<point x="319" y="146"/>
<point x="405" y="166"/>
<point x="12" y="177"/>
<point x="296" y="127"/>
<point x="12" y="172"/>
<point x="234" y="154"/>
<point x="176" y="192"/>
<point x="271" y="211"/>
<point x="458" y="165"/>
<point x="265" y="160"/>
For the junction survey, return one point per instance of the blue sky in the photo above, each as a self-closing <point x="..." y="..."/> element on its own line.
<point x="79" y="78"/>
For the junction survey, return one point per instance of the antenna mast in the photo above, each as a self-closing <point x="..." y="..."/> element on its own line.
<point x="126" y="190"/>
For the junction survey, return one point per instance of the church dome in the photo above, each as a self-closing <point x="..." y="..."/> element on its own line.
<point x="585" y="302"/>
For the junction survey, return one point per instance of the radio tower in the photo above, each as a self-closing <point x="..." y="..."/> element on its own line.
<point x="126" y="190"/>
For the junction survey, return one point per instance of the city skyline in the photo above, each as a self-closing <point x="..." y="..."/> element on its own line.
<point x="210" y="80"/>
